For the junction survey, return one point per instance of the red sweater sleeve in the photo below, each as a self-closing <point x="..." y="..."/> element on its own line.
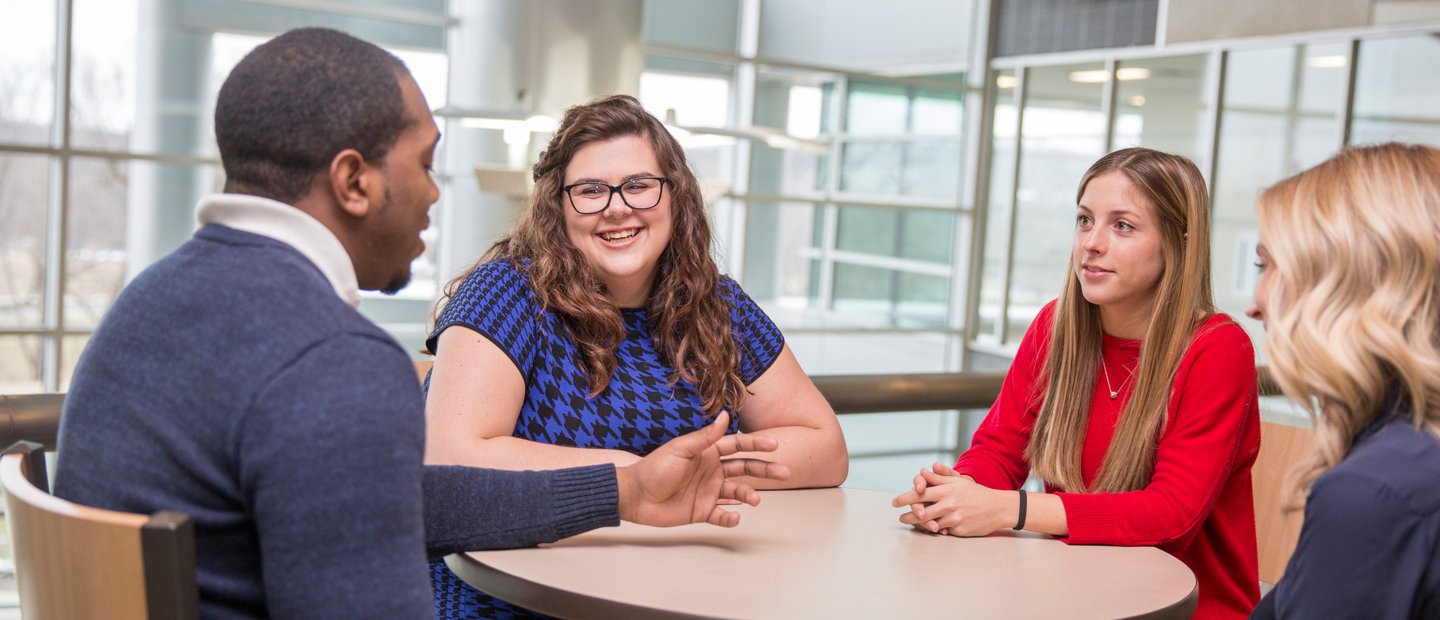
<point x="996" y="458"/>
<point x="1211" y="432"/>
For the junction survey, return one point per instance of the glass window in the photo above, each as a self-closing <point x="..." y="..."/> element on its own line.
<point x="71" y="347"/>
<point x="691" y="102"/>
<point x="997" y="215"/>
<point x="101" y="252"/>
<point x="1063" y="134"/>
<point x="20" y="365"/>
<point x="931" y="169"/>
<point x="787" y="171"/>
<point x="24" y="200"/>
<point x="103" y="79"/>
<point x="686" y="99"/>
<point x="927" y="235"/>
<point x="877" y="109"/>
<point x="937" y="112"/>
<point x="867" y="229"/>
<point x="1280" y="116"/>
<point x="921" y="300"/>
<point x="890" y="296"/>
<point x="1396" y="91"/>
<point x="1163" y="104"/>
<point x="778" y="251"/>
<point x="863" y="291"/>
<point x="27" y="43"/>
<point x="919" y="234"/>
<point x="872" y="167"/>
<point x="881" y="353"/>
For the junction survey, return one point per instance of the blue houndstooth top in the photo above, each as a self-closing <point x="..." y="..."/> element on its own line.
<point x="639" y="410"/>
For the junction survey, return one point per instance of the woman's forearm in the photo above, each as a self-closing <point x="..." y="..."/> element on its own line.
<point x="816" y="459"/>
<point x="514" y="453"/>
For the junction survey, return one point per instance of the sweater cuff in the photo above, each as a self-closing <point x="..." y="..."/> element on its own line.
<point x="585" y="498"/>
<point x="1089" y="518"/>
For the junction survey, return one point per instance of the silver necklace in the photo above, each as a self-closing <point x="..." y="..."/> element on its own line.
<point x="1114" y="392"/>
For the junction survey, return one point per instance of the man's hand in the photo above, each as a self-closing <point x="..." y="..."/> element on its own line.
<point x="685" y="480"/>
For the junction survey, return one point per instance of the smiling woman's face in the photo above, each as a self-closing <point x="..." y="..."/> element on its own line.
<point x="621" y="243"/>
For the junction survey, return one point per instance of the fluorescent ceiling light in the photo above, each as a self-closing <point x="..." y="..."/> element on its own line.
<point x="1137" y="101"/>
<point x="1125" y="74"/>
<point x="1091" y="76"/>
<point x="1326" y="62"/>
<point x="1008" y="81"/>
<point x="1098" y="76"/>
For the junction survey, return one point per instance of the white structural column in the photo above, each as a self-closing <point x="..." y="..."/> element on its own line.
<point x="172" y="118"/>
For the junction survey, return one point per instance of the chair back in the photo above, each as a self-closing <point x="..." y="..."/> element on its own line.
<point x="1282" y="447"/>
<point x="75" y="561"/>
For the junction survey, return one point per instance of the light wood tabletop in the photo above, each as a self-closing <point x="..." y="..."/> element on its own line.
<point x="829" y="553"/>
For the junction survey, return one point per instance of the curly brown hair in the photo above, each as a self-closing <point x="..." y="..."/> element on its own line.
<point x="689" y="322"/>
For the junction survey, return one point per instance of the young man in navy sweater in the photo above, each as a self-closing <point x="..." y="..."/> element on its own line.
<point x="235" y="381"/>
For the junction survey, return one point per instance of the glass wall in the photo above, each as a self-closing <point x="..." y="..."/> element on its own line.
<point x="1282" y="114"/>
<point x="1397" y="95"/>
<point x="845" y="213"/>
<point x="1285" y="107"/>
<point x="100" y="179"/>
<point x="1062" y="133"/>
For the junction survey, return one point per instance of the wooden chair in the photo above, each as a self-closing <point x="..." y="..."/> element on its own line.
<point x="1282" y="447"/>
<point x="75" y="561"/>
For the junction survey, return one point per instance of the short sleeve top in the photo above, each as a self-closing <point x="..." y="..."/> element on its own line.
<point x="640" y="409"/>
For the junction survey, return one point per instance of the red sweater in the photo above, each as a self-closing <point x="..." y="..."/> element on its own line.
<point x="1198" y="506"/>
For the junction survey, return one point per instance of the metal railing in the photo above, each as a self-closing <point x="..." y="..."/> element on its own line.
<point x="36" y="417"/>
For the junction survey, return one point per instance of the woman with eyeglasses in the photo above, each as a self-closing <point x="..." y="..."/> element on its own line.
<point x="1130" y="396"/>
<point x="1349" y="292"/>
<point x="600" y="327"/>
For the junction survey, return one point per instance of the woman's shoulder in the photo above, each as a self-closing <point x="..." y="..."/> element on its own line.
<point x="497" y="276"/>
<point x="1398" y="463"/>
<point x="496" y="286"/>
<point x="728" y="289"/>
<point x="1220" y="332"/>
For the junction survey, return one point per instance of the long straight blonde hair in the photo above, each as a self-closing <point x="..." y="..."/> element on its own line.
<point x="1175" y="190"/>
<point x="1353" y="308"/>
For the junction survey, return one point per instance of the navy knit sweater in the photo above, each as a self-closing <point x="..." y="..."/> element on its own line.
<point x="229" y="382"/>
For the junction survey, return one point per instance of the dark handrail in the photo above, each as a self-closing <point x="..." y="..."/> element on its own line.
<point x="914" y="392"/>
<point x="36" y="417"/>
<point x="32" y="417"/>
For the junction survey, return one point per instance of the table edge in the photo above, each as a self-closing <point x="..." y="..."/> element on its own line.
<point x="552" y="601"/>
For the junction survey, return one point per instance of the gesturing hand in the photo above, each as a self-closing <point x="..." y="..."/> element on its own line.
<point x="685" y="480"/>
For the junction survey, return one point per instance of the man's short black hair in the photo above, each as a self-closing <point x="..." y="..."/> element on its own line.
<point x="299" y="99"/>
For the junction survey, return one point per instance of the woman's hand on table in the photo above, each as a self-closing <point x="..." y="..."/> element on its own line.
<point x="944" y="502"/>
<point x="686" y="481"/>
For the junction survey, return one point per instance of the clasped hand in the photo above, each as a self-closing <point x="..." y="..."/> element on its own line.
<point x="945" y="502"/>
<point x="687" y="479"/>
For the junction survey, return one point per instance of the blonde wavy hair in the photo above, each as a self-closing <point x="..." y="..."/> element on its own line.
<point x="1175" y="190"/>
<point x="1353" y="307"/>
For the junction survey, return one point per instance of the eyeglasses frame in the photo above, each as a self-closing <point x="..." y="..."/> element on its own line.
<point x="616" y="189"/>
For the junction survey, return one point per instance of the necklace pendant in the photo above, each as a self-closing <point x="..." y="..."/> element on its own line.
<point x="1113" y="395"/>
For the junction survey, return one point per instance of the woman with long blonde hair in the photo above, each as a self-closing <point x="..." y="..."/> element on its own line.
<point x="600" y="327"/>
<point x="1349" y="292"/>
<point x="1130" y="396"/>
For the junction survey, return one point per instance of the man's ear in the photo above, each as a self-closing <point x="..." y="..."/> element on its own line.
<point x="353" y="182"/>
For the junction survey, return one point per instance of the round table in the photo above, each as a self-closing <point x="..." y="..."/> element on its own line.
<point x="829" y="553"/>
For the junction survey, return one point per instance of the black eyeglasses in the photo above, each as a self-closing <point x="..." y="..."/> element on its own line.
<point x="637" y="192"/>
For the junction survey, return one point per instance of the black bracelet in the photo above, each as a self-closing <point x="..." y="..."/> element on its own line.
<point x="1020" y="523"/>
